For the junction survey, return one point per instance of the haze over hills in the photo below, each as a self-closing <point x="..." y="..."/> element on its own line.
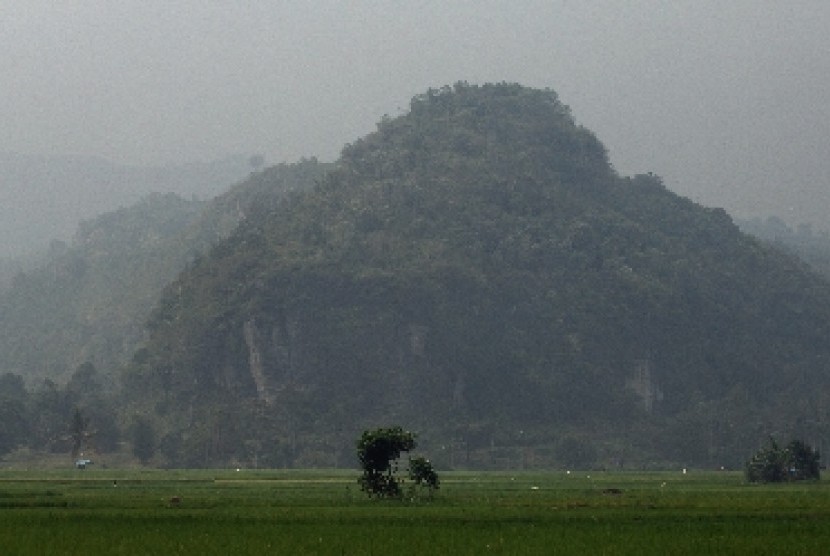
<point x="727" y="102"/>
<point x="477" y="270"/>
<point x="474" y="269"/>
<point x="90" y="299"/>
<point x="45" y="197"/>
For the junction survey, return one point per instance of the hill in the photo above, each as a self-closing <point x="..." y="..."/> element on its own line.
<point x="812" y="247"/>
<point x="45" y="197"/>
<point x="476" y="270"/>
<point x="90" y="299"/>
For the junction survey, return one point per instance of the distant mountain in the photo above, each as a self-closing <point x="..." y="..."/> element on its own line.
<point x="90" y="298"/>
<point x="45" y="197"/>
<point x="476" y="270"/>
<point x="811" y="246"/>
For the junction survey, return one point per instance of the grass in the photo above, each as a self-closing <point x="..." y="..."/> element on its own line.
<point x="306" y="512"/>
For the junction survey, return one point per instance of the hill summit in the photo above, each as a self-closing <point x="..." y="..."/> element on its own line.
<point x="476" y="270"/>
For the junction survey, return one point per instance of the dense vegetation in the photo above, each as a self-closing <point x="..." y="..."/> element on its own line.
<point x="68" y="326"/>
<point x="474" y="268"/>
<point x="794" y="462"/>
<point x="90" y="299"/>
<point x="77" y="418"/>
<point x="477" y="269"/>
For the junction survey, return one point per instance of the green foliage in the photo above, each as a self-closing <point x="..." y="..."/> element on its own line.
<point x="78" y="418"/>
<point x="477" y="262"/>
<point x="771" y="464"/>
<point x="378" y="451"/>
<point x="85" y="392"/>
<point x="422" y="473"/>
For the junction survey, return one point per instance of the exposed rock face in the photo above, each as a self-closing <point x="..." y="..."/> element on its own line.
<point x="644" y="384"/>
<point x="275" y="363"/>
<point x="255" y="360"/>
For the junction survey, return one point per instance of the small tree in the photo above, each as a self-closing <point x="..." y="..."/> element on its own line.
<point x="804" y="462"/>
<point x="772" y="464"/>
<point x="422" y="473"/>
<point x="378" y="451"/>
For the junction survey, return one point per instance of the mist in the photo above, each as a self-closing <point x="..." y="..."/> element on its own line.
<point x="726" y="101"/>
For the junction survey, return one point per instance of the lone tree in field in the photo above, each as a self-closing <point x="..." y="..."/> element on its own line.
<point x="771" y="464"/>
<point x="422" y="473"/>
<point x="378" y="451"/>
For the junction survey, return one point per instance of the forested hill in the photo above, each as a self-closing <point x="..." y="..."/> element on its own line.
<point x="476" y="270"/>
<point x="90" y="300"/>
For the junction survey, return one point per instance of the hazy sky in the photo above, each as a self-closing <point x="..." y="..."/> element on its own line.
<point x="727" y="100"/>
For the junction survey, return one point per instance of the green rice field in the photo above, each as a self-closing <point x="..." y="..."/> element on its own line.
<point x="105" y="511"/>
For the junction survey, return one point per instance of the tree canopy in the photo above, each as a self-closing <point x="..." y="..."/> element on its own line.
<point x="378" y="451"/>
<point x="795" y="462"/>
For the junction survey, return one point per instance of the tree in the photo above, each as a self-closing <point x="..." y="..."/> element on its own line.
<point x="772" y="464"/>
<point x="378" y="451"/>
<point x="144" y="440"/>
<point x="14" y="416"/>
<point x="804" y="461"/>
<point x="84" y="383"/>
<point x="422" y="472"/>
<point x="79" y="432"/>
<point x="14" y="424"/>
<point x="49" y="413"/>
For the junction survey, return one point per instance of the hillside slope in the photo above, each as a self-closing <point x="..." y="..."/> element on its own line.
<point x="475" y="269"/>
<point x="45" y="197"/>
<point x="91" y="299"/>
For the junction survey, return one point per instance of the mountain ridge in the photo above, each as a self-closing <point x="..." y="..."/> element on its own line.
<point x="89" y="300"/>
<point x="46" y="197"/>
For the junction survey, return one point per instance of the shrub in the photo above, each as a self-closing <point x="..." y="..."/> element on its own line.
<point x="772" y="464"/>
